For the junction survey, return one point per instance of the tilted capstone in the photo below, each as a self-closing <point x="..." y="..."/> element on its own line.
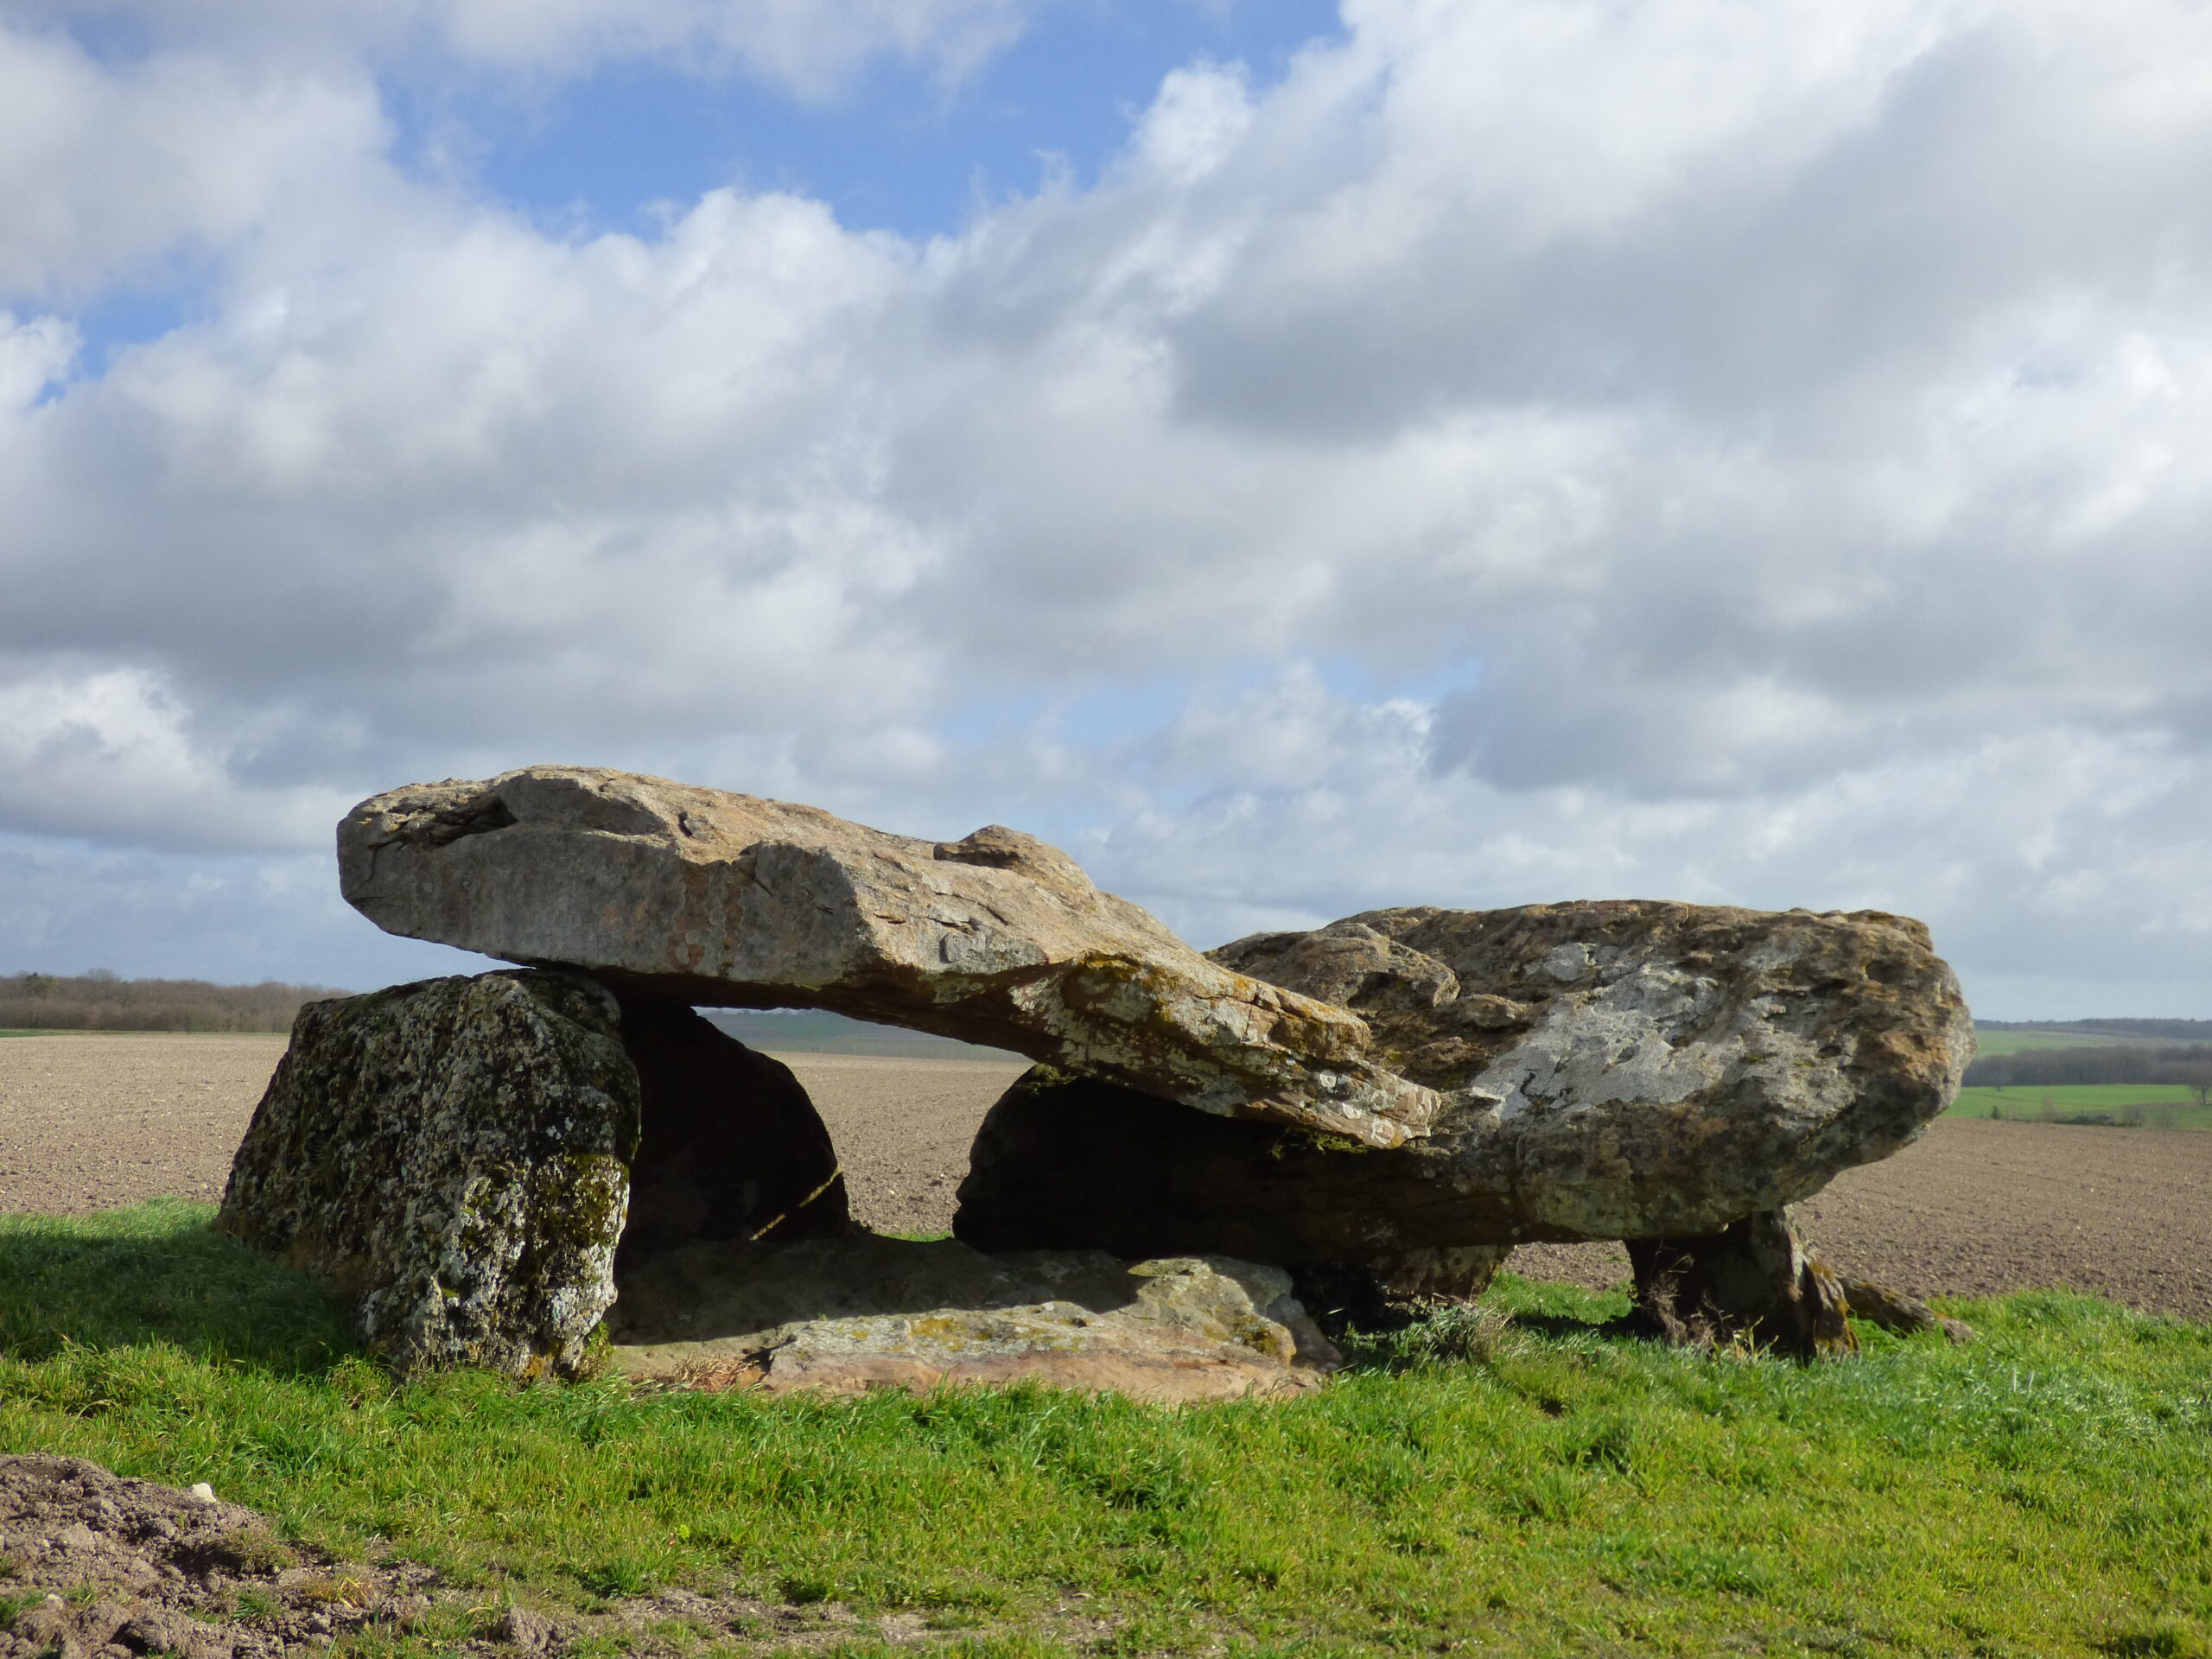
<point x="696" y="896"/>
<point x="1616" y="1070"/>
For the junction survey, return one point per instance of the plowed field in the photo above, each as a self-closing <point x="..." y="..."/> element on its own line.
<point x="1975" y="1208"/>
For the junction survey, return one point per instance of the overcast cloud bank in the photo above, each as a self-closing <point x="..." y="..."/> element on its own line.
<point x="1532" y="451"/>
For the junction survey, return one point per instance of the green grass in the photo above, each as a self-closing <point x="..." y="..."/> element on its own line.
<point x="2013" y="1042"/>
<point x="2165" y="1105"/>
<point x="1524" y="1480"/>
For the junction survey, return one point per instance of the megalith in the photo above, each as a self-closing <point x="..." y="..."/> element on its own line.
<point x="698" y="897"/>
<point x="1384" y="1107"/>
<point x="454" y="1156"/>
<point x="472" y="1161"/>
<point x="731" y="1148"/>
<point x="1631" y="1070"/>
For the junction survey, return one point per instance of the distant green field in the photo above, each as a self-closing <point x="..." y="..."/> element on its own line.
<point x="2013" y="1042"/>
<point x="2165" y="1105"/>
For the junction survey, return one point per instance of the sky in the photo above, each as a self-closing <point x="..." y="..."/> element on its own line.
<point x="1299" y="459"/>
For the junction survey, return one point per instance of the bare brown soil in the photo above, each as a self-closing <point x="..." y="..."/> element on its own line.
<point x="1976" y="1208"/>
<point x="91" y="1122"/>
<point x="93" y="1565"/>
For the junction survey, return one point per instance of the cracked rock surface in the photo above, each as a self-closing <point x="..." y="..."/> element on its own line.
<point x="700" y="897"/>
<point x="1618" y="1071"/>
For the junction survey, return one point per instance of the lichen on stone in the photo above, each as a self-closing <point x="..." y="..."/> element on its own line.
<point x="454" y="1154"/>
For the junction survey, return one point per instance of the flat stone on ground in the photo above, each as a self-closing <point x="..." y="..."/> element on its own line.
<point x="839" y="1316"/>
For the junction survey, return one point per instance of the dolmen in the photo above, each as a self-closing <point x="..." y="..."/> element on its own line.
<point x="511" y="1169"/>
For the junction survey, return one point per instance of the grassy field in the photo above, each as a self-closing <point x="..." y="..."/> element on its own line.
<point x="1530" y="1480"/>
<point x="2015" y="1042"/>
<point x="2165" y="1105"/>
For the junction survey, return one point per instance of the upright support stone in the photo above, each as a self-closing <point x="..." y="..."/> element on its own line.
<point x="1755" y="1281"/>
<point x="475" y="1162"/>
<point x="454" y="1156"/>
<point x="731" y="1148"/>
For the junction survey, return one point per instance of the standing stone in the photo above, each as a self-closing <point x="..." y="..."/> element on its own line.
<point x="698" y="897"/>
<point x="477" y="1163"/>
<point x="731" y="1149"/>
<point x="1754" y="1282"/>
<point x="454" y="1155"/>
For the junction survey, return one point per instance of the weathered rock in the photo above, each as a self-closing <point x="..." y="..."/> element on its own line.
<point x="463" y="1157"/>
<point x="454" y="1155"/>
<point x="844" y="1315"/>
<point x="1752" y="1283"/>
<point x="1615" y="1070"/>
<point x="1900" y="1314"/>
<point x="730" y="1145"/>
<point x="695" y="896"/>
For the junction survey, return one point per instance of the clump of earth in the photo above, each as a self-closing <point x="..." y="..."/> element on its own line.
<point x="96" y="1566"/>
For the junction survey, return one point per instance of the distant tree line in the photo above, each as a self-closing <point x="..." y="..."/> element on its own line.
<point x="2050" y="1068"/>
<point x="100" y="1000"/>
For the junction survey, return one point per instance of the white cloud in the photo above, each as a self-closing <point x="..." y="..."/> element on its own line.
<point x="1719" y="451"/>
<point x="105" y="168"/>
<point x="34" y="355"/>
<point x="811" y="49"/>
<point x="107" y="754"/>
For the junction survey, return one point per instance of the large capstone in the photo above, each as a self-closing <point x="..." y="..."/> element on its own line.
<point x="465" y="1157"/>
<point x="698" y="897"/>
<point x="1617" y="1071"/>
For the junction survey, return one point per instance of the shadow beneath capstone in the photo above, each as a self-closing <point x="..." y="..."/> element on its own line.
<point x="1621" y="1327"/>
<point x="729" y="1292"/>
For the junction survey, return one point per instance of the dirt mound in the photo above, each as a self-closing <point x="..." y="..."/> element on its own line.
<point x="94" y="1566"/>
<point x="94" y="1563"/>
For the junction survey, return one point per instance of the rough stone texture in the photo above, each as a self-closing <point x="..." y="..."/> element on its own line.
<point x="841" y="1316"/>
<point x="1753" y="1283"/>
<point x="1615" y="1071"/>
<point x="1895" y="1312"/>
<point x="454" y="1156"/>
<point x="700" y="897"/>
<point x="731" y="1147"/>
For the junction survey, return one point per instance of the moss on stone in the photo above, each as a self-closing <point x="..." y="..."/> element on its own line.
<point x="454" y="1154"/>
